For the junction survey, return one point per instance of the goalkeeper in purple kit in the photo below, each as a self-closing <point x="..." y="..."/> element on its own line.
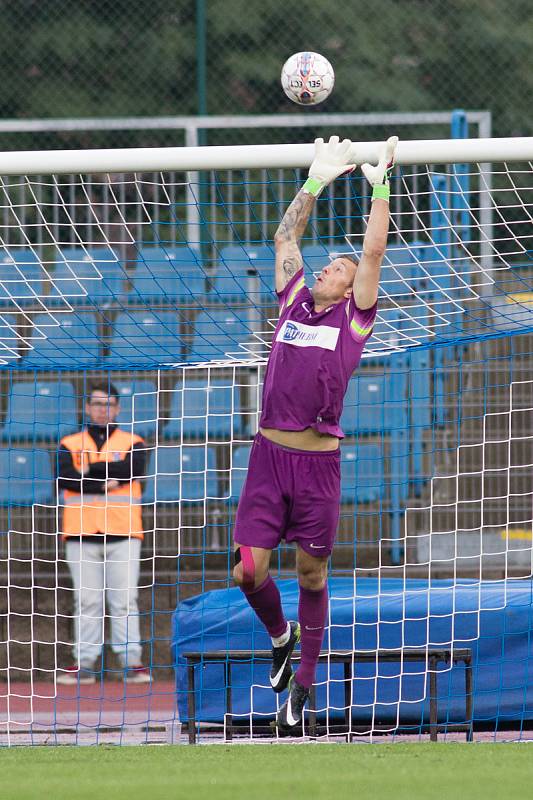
<point x="292" y="489"/>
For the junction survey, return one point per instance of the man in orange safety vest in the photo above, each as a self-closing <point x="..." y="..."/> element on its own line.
<point x="99" y="473"/>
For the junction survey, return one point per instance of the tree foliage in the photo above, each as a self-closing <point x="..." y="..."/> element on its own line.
<point x="66" y="59"/>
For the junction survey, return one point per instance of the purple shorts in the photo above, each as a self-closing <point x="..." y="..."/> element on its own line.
<point x="289" y="494"/>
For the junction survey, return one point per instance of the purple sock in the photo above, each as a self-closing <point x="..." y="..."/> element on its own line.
<point x="312" y="612"/>
<point x="266" y="602"/>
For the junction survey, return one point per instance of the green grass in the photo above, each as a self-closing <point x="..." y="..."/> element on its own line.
<point x="269" y="772"/>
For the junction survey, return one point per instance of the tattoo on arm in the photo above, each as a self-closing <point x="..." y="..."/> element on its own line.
<point x="291" y="265"/>
<point x="295" y="218"/>
<point x="288" y="256"/>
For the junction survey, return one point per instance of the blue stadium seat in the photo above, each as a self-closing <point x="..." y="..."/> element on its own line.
<point x="218" y="331"/>
<point x="21" y="276"/>
<point x="198" y="410"/>
<point x="404" y="421"/>
<point x="236" y="264"/>
<point x="40" y="410"/>
<point x="239" y="468"/>
<point x="390" y="414"/>
<point x="397" y="329"/>
<point x="90" y="276"/>
<point x="181" y="473"/>
<point x="68" y="339"/>
<point x="375" y="403"/>
<point x="317" y="256"/>
<point x="25" y="477"/>
<point x="246" y="258"/>
<point x="171" y="274"/>
<point x="10" y="339"/>
<point x="444" y="287"/>
<point x="416" y="323"/>
<point x="397" y="273"/>
<point x="421" y="400"/>
<point x="444" y="267"/>
<point x="362" y="473"/>
<point x="386" y="335"/>
<point x="441" y="285"/>
<point x="426" y="253"/>
<point x="138" y="405"/>
<point x="142" y="338"/>
<point x="199" y="473"/>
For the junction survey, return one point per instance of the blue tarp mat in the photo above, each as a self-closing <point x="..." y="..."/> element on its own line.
<point x="494" y="618"/>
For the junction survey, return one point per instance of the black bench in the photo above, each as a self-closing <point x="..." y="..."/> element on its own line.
<point x="433" y="656"/>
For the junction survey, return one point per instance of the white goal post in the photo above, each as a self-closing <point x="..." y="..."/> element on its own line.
<point x="440" y="151"/>
<point x="161" y="262"/>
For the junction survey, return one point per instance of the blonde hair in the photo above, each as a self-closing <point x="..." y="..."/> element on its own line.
<point x="349" y="257"/>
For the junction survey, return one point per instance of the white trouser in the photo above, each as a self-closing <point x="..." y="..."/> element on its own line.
<point x="99" y="572"/>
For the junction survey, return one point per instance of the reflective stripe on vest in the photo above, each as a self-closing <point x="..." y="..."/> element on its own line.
<point x="118" y="511"/>
<point x="112" y="498"/>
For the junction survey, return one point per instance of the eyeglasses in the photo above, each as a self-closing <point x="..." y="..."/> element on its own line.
<point x="103" y="403"/>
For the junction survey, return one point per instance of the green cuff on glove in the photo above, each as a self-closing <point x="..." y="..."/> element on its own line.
<point x="313" y="186"/>
<point x="381" y="191"/>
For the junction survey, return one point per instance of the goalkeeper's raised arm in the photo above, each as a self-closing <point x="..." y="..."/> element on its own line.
<point x="366" y="281"/>
<point x="331" y="161"/>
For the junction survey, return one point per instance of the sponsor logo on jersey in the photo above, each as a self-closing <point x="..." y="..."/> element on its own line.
<point x="300" y="335"/>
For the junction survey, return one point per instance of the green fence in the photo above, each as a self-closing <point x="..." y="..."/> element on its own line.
<point x="133" y="58"/>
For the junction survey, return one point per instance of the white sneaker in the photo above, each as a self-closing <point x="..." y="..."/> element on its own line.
<point x="74" y="676"/>
<point x="136" y="673"/>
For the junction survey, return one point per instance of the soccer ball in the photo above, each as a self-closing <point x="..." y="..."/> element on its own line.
<point x="307" y="78"/>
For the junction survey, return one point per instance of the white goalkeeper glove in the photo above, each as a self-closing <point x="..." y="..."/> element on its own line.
<point x="330" y="161"/>
<point x="378" y="176"/>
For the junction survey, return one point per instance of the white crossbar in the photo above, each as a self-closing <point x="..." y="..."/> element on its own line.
<point x="436" y="151"/>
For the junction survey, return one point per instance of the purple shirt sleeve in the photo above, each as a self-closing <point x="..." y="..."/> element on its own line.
<point x="361" y="321"/>
<point x="287" y="295"/>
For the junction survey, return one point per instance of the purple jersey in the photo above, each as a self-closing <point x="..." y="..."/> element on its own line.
<point x="313" y="356"/>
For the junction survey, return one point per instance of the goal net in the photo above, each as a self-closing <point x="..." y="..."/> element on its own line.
<point x="152" y="273"/>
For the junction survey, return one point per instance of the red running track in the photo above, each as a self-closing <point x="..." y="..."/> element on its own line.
<point x="106" y="711"/>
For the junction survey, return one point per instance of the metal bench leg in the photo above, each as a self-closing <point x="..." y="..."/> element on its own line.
<point x="229" y="710"/>
<point x="191" y="705"/>
<point x="433" y="717"/>
<point x="469" y="709"/>
<point x="348" y="683"/>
